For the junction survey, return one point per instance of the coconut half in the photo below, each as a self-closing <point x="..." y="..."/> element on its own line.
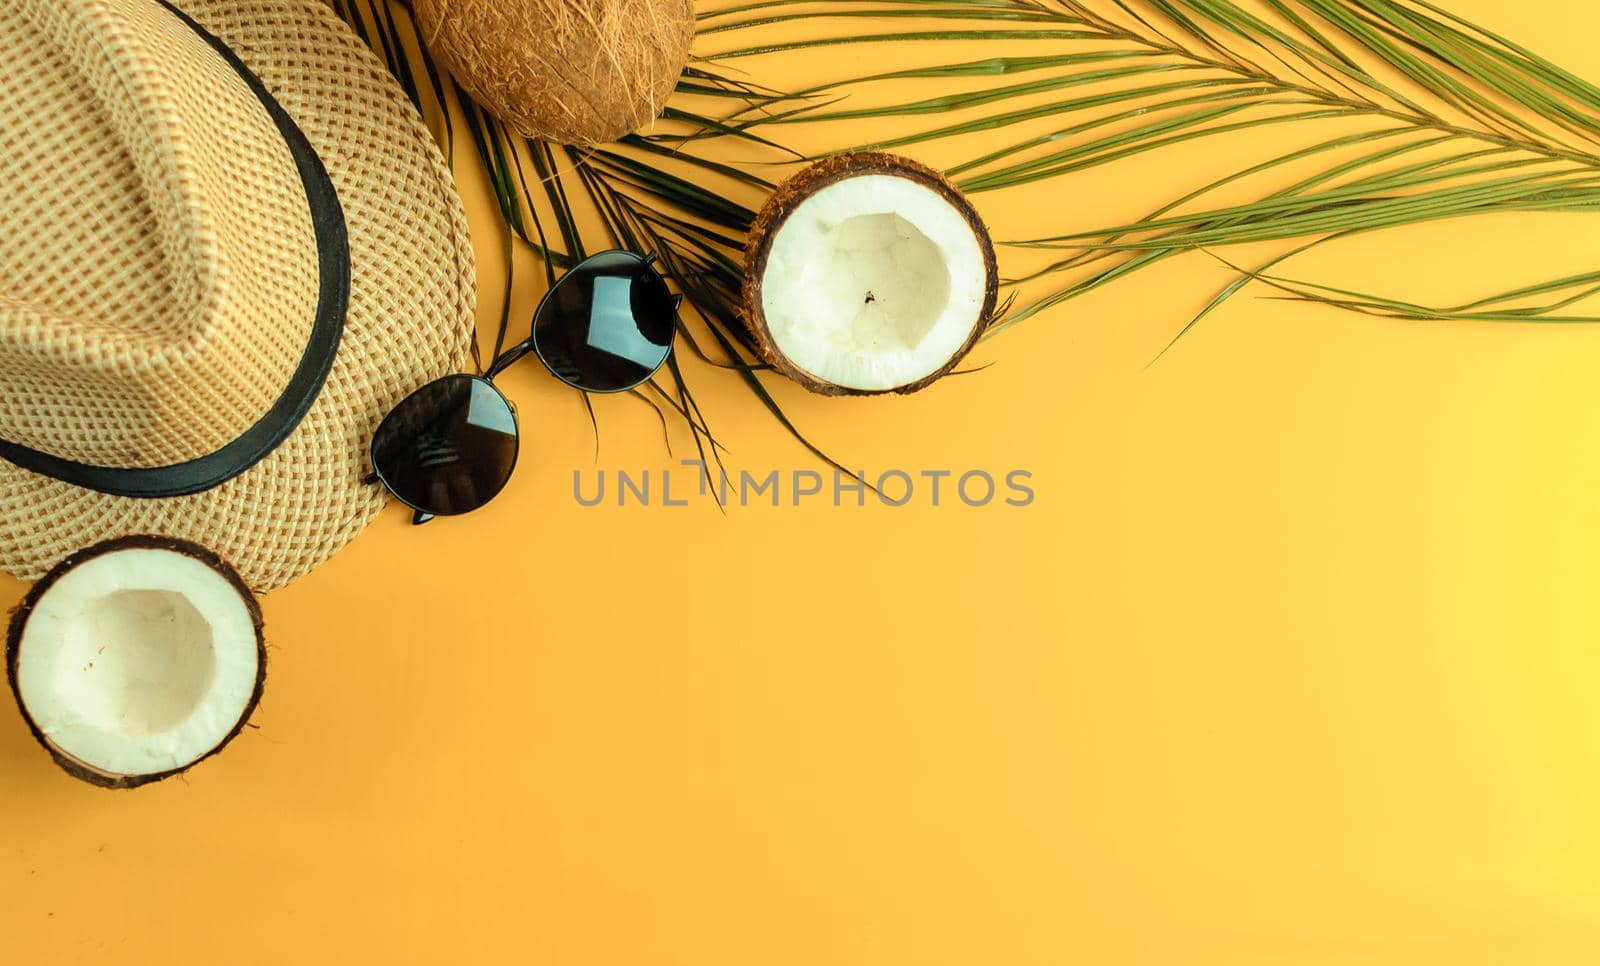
<point x="868" y="273"/>
<point x="136" y="658"/>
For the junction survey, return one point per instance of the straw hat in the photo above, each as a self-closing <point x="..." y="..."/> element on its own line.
<point x="228" y="245"/>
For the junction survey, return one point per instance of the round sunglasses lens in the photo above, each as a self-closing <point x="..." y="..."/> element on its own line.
<point x="449" y="447"/>
<point x="608" y="325"/>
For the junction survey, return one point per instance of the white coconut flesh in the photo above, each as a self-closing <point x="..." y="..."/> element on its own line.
<point x="873" y="282"/>
<point x="138" y="661"/>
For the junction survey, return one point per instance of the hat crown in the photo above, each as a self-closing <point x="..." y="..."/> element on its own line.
<point x="158" y="269"/>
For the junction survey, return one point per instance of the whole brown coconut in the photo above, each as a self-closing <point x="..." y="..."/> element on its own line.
<point x="572" y="71"/>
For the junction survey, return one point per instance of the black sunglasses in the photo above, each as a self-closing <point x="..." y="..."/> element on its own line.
<point x="450" y="447"/>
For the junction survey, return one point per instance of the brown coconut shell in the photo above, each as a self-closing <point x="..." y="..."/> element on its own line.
<point x="573" y="71"/>
<point x="19" y="621"/>
<point x="808" y="182"/>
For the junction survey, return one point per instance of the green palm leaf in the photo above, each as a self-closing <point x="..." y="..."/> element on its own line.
<point x="1506" y="129"/>
<point x="1406" y="114"/>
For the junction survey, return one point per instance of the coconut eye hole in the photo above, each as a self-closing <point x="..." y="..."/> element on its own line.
<point x="608" y="324"/>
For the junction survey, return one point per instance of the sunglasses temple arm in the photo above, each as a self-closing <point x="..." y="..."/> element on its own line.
<point x="507" y="359"/>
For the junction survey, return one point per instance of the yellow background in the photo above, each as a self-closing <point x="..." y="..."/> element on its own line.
<point x="1293" y="661"/>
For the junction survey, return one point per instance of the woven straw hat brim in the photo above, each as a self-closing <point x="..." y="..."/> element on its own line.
<point x="410" y="319"/>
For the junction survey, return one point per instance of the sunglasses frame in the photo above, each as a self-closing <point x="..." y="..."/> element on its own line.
<point x="419" y="516"/>
<point x="509" y="358"/>
<point x="515" y="354"/>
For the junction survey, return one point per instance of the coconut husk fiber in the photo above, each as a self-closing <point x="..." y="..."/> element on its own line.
<point x="572" y="71"/>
